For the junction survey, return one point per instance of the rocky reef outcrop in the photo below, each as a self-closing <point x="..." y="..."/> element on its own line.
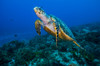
<point x="42" y="50"/>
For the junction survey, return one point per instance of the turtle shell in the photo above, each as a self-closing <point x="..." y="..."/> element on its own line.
<point x="63" y="26"/>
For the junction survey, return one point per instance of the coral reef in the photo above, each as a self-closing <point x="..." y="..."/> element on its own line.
<point x="42" y="50"/>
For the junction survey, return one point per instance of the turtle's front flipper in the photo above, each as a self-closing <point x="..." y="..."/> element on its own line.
<point x="38" y="24"/>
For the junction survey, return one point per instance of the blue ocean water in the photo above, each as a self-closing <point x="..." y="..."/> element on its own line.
<point x="17" y="19"/>
<point x="18" y="15"/>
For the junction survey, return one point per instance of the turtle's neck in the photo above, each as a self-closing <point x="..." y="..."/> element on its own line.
<point x="45" y="19"/>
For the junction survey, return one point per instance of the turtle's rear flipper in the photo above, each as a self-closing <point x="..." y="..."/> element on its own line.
<point x="38" y="24"/>
<point x="78" y="45"/>
<point x="64" y="36"/>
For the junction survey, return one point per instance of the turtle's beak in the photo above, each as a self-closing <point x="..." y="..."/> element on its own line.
<point x="39" y="10"/>
<point x="35" y="9"/>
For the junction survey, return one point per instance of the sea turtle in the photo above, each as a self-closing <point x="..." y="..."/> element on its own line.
<point x="53" y="26"/>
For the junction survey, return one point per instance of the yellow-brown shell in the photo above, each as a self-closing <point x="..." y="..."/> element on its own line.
<point x="61" y="34"/>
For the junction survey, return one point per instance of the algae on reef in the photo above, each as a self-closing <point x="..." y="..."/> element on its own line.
<point x="43" y="51"/>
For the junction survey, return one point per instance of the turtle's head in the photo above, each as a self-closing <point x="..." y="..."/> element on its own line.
<point x="39" y="12"/>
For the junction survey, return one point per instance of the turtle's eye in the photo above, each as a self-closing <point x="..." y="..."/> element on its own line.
<point x="41" y="12"/>
<point x="40" y="8"/>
